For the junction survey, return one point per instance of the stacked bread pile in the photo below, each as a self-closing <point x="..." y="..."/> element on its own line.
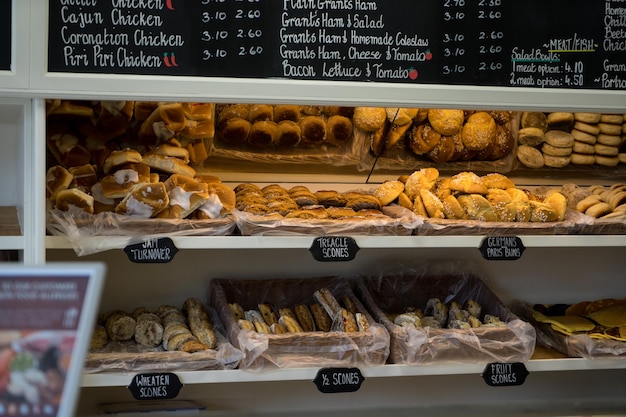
<point x="283" y="126"/>
<point x="324" y="315"/>
<point x="187" y="330"/>
<point x="440" y="135"/>
<point x="606" y="202"/>
<point x="299" y="202"/>
<point x="153" y="176"/>
<point x="468" y="196"/>
<point x="559" y="139"/>
<point x="600" y="319"/>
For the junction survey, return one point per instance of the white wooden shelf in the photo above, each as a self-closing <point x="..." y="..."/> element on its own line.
<point x="384" y="371"/>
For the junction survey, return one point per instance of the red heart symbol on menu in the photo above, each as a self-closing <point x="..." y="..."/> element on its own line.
<point x="169" y="5"/>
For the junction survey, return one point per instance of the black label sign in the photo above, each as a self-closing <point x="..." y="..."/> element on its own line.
<point x="505" y="374"/>
<point x="155" y="386"/>
<point x="535" y="43"/>
<point x="333" y="380"/>
<point x="6" y="34"/>
<point x="152" y="251"/>
<point x="502" y="248"/>
<point x="334" y="248"/>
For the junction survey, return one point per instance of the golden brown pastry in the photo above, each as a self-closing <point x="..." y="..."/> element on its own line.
<point x="263" y="134"/>
<point x="338" y="130"/>
<point x="321" y="318"/>
<point x="443" y="151"/>
<point x="313" y="130"/>
<point x="144" y="200"/>
<point x="369" y="119"/>
<point x="446" y="121"/>
<point x="479" y="131"/>
<point x="423" y="138"/>
<point x="74" y="197"/>
<point x="289" y="133"/>
<point x="233" y="111"/>
<point x="286" y="112"/>
<point x="234" y="131"/>
<point x="261" y="112"/>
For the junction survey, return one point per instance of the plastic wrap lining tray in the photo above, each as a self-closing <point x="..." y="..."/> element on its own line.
<point x="303" y="349"/>
<point x="514" y="342"/>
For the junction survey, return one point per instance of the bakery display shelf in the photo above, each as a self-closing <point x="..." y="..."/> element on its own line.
<point x="372" y="242"/>
<point x="384" y="371"/>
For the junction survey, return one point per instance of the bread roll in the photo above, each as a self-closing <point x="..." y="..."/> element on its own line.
<point x="338" y="130"/>
<point x="369" y="119"/>
<point x="263" y="134"/>
<point x="313" y="130"/>
<point x="446" y="121"/>
<point x="288" y="134"/>
<point x="479" y="131"/>
<point x="286" y="112"/>
<point x="234" y="131"/>
<point x="74" y="197"/>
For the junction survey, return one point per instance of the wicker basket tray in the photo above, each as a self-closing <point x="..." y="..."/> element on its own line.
<point x="393" y="293"/>
<point x="296" y="350"/>
<point x="131" y="357"/>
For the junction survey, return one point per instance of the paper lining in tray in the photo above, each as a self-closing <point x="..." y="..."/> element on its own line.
<point x="296" y="350"/>
<point x="397" y="221"/>
<point x="388" y="293"/>
<point x="129" y="356"/>
<point x="78" y="226"/>
<point x="572" y="224"/>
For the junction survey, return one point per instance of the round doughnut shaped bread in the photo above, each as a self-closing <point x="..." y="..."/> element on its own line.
<point x="422" y="138"/>
<point x="610" y="129"/>
<point x="592" y="129"/>
<point x="531" y="136"/>
<point x="560" y="121"/>
<point x="548" y="149"/>
<point x="443" y="150"/>
<point x="583" y="148"/>
<point x="556" y="161"/>
<point x="479" y="130"/>
<point x="533" y="119"/>
<point x="559" y="138"/>
<point x="446" y="121"/>
<point x="616" y="119"/>
<point x="606" y="150"/>
<point x="369" y="119"/>
<point x="611" y="140"/>
<point x="584" y="137"/>
<point x="587" y="117"/>
<point x="530" y="157"/>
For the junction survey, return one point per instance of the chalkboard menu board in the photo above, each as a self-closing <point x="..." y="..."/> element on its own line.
<point x="5" y="34"/>
<point x="532" y="43"/>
